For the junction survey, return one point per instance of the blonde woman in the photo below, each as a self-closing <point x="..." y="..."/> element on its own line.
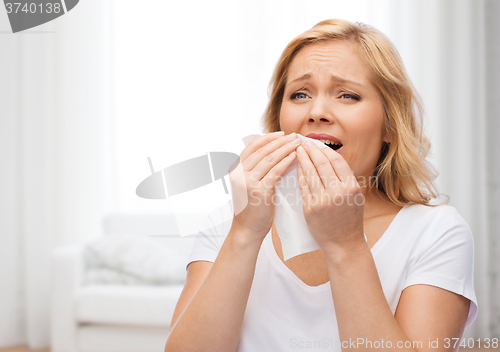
<point x="393" y="271"/>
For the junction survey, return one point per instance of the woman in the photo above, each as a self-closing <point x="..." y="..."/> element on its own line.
<point x="406" y="286"/>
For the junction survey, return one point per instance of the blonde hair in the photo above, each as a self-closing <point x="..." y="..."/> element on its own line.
<point x="402" y="171"/>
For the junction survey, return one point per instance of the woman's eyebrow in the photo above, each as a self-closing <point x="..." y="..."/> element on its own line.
<point x="333" y="78"/>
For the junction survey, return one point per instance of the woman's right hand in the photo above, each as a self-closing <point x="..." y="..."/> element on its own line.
<point x="262" y="163"/>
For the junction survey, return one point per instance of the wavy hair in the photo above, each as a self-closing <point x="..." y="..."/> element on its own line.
<point x="402" y="171"/>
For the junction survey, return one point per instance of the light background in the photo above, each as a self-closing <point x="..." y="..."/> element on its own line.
<point x="88" y="97"/>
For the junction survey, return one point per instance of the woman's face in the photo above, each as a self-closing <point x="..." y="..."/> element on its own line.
<point x="329" y="92"/>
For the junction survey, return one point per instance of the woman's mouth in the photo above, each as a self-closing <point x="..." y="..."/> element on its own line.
<point x="326" y="139"/>
<point x="334" y="145"/>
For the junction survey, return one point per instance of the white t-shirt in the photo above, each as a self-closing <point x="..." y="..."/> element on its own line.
<point x="422" y="245"/>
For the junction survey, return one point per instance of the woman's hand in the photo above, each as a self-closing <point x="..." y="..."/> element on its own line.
<point x="262" y="163"/>
<point x="332" y="199"/>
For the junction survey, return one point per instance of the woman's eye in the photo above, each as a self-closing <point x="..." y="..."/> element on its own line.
<point x="298" y="95"/>
<point x="350" y="96"/>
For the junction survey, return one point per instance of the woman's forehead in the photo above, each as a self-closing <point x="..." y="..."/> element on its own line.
<point x="332" y="58"/>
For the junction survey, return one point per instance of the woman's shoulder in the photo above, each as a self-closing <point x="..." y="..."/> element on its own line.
<point x="436" y="223"/>
<point x="212" y="233"/>
<point x="439" y="213"/>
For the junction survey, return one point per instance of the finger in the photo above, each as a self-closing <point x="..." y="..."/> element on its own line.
<point x="272" y="177"/>
<point x="267" y="149"/>
<point x="268" y="162"/>
<point x="309" y="171"/>
<point x="304" y="187"/>
<point x="323" y="166"/>
<point x="259" y="143"/>
<point x="341" y="167"/>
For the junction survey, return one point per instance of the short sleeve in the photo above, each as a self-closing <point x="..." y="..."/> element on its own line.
<point x="446" y="258"/>
<point x="212" y="234"/>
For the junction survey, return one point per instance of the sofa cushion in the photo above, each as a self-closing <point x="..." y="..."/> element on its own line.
<point x="132" y="259"/>
<point x="127" y="305"/>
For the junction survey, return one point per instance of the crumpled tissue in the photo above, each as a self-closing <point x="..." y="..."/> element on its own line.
<point x="289" y="215"/>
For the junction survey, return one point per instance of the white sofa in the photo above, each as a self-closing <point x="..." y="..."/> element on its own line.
<point x="114" y="317"/>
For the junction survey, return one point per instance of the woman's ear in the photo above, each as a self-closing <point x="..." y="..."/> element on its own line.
<point x="386" y="138"/>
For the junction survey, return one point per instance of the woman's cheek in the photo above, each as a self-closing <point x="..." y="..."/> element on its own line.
<point x="295" y="116"/>
<point x="289" y="121"/>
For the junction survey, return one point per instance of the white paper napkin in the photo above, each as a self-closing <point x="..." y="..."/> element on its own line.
<point x="289" y="215"/>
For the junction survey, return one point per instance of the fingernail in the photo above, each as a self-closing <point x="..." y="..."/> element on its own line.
<point x="279" y="133"/>
<point x="292" y="135"/>
<point x="307" y="143"/>
<point x="300" y="149"/>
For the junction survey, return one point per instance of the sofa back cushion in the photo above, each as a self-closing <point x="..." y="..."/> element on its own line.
<point x="138" y="249"/>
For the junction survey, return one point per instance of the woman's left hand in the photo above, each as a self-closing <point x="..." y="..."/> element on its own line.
<point x="332" y="199"/>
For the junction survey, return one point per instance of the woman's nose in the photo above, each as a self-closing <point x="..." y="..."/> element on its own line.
<point x="320" y="111"/>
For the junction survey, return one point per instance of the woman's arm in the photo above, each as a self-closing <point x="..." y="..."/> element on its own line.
<point x="196" y="273"/>
<point x="443" y="315"/>
<point x="212" y="320"/>
<point x="424" y="313"/>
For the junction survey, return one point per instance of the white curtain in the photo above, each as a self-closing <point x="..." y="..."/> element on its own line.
<point x="56" y="174"/>
<point x="491" y="281"/>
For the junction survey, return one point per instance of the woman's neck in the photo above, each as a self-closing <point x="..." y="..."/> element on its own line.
<point x="377" y="203"/>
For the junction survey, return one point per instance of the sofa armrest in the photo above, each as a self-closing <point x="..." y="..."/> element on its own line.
<point x="67" y="274"/>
